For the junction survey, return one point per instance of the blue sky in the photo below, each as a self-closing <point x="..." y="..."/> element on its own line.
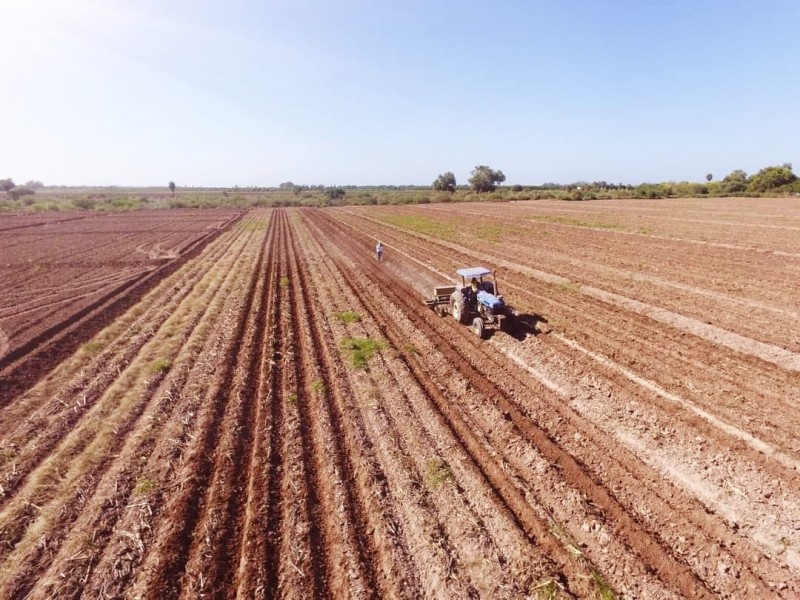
<point x="141" y="92"/>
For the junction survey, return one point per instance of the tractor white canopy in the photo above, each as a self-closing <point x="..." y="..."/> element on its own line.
<point x="476" y="272"/>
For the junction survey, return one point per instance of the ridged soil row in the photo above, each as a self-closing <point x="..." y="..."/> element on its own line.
<point x="214" y="554"/>
<point x="27" y="363"/>
<point x="739" y="550"/>
<point x="473" y="436"/>
<point x="254" y="570"/>
<point x="155" y="565"/>
<point x="414" y="538"/>
<point x="300" y="552"/>
<point x="343" y="553"/>
<point x="731" y="385"/>
<point x="621" y="520"/>
<point x="376" y="516"/>
<point x="157" y="482"/>
<point x="90" y="471"/>
<point x="665" y="504"/>
<point x="39" y="419"/>
<point x="478" y="548"/>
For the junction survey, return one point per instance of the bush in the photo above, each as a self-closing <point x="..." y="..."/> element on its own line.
<point x="443" y="197"/>
<point x="84" y="203"/>
<point x="20" y="191"/>
<point x="649" y="191"/>
<point x="772" y="178"/>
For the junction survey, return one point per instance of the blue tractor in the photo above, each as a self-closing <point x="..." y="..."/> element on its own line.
<point x="476" y="301"/>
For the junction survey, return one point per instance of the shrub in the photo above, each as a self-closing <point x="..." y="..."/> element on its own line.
<point x="771" y="178"/>
<point x="84" y="203"/>
<point x="648" y="190"/>
<point x="20" y="191"/>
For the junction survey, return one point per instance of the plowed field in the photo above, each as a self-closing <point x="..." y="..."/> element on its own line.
<point x="281" y="415"/>
<point x="64" y="275"/>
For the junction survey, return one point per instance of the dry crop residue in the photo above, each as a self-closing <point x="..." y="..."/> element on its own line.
<point x="281" y="414"/>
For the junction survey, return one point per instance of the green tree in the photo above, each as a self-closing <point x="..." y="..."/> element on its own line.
<point x="446" y="182"/>
<point x="6" y="184"/>
<point x="485" y="179"/>
<point x="172" y="188"/>
<point x="771" y="178"/>
<point x="735" y="182"/>
<point x="286" y="186"/>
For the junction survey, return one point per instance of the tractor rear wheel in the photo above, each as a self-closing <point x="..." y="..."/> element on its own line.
<point x="477" y="326"/>
<point x="458" y="311"/>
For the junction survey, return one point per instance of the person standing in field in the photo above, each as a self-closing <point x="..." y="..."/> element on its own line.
<point x="379" y="251"/>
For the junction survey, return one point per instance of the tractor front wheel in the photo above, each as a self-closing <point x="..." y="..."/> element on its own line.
<point x="477" y="326"/>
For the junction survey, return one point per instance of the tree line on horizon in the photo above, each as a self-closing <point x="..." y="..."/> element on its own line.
<point x="779" y="178"/>
<point x="483" y="184"/>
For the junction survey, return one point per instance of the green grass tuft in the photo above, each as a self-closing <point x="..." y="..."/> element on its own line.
<point x="144" y="486"/>
<point x="437" y="472"/>
<point x="547" y="590"/>
<point x="348" y="316"/>
<point x="604" y="590"/>
<point x="162" y="365"/>
<point x="93" y="347"/>
<point x="360" y="350"/>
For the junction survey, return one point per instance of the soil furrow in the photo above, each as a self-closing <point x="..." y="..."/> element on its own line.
<point x="380" y="559"/>
<point x="81" y="492"/>
<point x="186" y="504"/>
<point x="645" y="544"/>
<point x="496" y="476"/>
<point x="47" y="413"/>
<point x="214" y="555"/>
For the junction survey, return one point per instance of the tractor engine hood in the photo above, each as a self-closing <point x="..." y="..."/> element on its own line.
<point x="490" y="300"/>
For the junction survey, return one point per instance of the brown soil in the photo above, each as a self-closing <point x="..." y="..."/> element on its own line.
<point x="632" y="438"/>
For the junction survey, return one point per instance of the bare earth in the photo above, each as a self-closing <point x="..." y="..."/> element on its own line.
<point x="207" y="435"/>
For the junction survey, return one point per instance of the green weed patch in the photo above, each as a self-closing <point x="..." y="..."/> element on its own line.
<point x="423" y="225"/>
<point x="437" y="472"/>
<point x="349" y="316"/>
<point x="561" y="220"/>
<point x="360" y="350"/>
